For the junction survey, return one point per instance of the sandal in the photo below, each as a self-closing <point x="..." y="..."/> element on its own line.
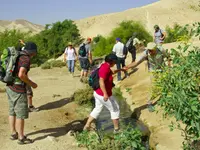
<point x="14" y="136"/>
<point x="25" y="140"/>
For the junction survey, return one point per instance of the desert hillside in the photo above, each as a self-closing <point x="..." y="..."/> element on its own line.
<point x="164" y="12"/>
<point x="20" y="24"/>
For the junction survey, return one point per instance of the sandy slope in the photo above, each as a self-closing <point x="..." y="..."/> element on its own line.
<point x="164" y="12"/>
<point x="55" y="86"/>
<point x="139" y="82"/>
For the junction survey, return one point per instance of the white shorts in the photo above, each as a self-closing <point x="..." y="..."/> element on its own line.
<point x="111" y="104"/>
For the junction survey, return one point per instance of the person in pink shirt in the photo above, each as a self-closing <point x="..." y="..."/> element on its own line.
<point x="103" y="95"/>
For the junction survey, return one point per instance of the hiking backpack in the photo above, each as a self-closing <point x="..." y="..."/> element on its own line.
<point x="125" y="51"/>
<point x="93" y="80"/>
<point x="82" y="50"/>
<point x="8" y="61"/>
<point x="129" y="44"/>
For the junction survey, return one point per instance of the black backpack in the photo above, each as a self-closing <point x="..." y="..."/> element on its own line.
<point x="129" y="44"/>
<point x="82" y="50"/>
<point x="94" y="79"/>
<point x="125" y="51"/>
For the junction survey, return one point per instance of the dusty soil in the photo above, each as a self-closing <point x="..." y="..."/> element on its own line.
<point x="56" y="116"/>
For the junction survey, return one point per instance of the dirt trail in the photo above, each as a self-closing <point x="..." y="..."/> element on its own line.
<point x="56" y="113"/>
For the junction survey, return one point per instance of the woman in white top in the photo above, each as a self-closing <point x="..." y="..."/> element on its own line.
<point x="70" y="57"/>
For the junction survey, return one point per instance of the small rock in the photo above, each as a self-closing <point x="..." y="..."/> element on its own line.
<point x="52" y="138"/>
<point x="71" y="133"/>
<point x="66" y="114"/>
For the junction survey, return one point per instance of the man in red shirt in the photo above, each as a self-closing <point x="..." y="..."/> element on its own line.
<point x="17" y="96"/>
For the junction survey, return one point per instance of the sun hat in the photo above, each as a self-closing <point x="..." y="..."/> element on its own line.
<point x="69" y="44"/>
<point x="151" y="46"/>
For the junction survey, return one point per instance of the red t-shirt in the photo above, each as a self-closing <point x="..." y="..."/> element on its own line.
<point x="106" y="73"/>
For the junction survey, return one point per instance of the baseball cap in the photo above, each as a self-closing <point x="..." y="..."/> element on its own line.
<point x="30" y="47"/>
<point x="89" y="39"/>
<point x="118" y="39"/>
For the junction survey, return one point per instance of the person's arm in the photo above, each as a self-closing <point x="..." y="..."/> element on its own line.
<point x="164" y="35"/>
<point x="24" y="77"/>
<point x="75" y="54"/>
<point x="103" y="88"/>
<point x="114" y="49"/>
<point x="22" y="42"/>
<point x="135" y="64"/>
<point x="65" y="55"/>
<point x="90" y="57"/>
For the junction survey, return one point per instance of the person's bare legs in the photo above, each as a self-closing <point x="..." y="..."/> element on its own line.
<point x="88" y="123"/>
<point x="116" y="124"/>
<point x="30" y="100"/>
<point x="20" y="128"/>
<point x="85" y="74"/>
<point x="12" y="120"/>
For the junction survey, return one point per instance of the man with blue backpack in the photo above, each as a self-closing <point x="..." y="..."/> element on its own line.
<point x="85" y="58"/>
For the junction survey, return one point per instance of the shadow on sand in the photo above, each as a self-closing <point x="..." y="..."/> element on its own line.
<point x="75" y="126"/>
<point x="56" y="104"/>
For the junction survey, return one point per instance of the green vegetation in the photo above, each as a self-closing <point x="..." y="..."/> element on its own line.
<point x="58" y="63"/>
<point x="127" y="140"/>
<point x="179" y="91"/>
<point x="178" y="33"/>
<point x="53" y="64"/>
<point x="125" y="30"/>
<point x="83" y="96"/>
<point x="194" y="7"/>
<point x="46" y="65"/>
<point x="51" y="42"/>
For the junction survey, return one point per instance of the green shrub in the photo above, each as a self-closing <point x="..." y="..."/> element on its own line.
<point x="124" y="31"/>
<point x="128" y="139"/>
<point x="180" y="92"/>
<point x="46" y="65"/>
<point x="58" y="63"/>
<point x="83" y="96"/>
<point x="34" y="65"/>
<point x="177" y="33"/>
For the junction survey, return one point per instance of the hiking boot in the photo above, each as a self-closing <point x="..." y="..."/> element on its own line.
<point x="33" y="109"/>
<point x="151" y="108"/>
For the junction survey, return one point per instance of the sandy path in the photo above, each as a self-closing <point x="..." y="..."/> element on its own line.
<point x="55" y="86"/>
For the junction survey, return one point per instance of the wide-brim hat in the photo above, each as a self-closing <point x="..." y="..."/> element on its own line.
<point x="151" y="46"/>
<point x="69" y="44"/>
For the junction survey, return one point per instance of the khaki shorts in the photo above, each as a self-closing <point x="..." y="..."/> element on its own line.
<point x="29" y="90"/>
<point x="18" y="104"/>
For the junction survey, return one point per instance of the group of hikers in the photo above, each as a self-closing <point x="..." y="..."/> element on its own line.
<point x="19" y="91"/>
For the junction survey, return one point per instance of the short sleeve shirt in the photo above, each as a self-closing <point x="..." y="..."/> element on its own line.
<point x="106" y="73"/>
<point x="70" y="54"/>
<point x="88" y="50"/>
<point x="24" y="61"/>
<point x="154" y="62"/>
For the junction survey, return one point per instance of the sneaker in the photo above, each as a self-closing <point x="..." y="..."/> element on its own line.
<point x="81" y="80"/>
<point x="151" y="108"/>
<point x="33" y="109"/>
<point x="117" y="131"/>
